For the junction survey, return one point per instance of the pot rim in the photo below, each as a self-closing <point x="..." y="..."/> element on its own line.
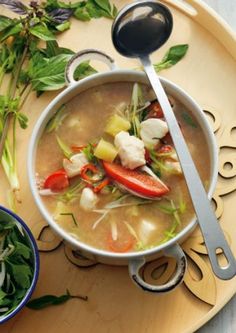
<point x="33" y="147"/>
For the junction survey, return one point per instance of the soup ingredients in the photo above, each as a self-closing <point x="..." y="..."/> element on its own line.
<point x="120" y="208"/>
<point x="48" y="300"/>
<point x="57" y="181"/>
<point x="105" y="151"/>
<point x="117" y="124"/>
<point x="154" y="111"/>
<point x="74" y="165"/>
<point x="130" y="149"/>
<point x="32" y="60"/>
<point x="120" y="245"/>
<point x="152" y="130"/>
<point x="88" y="199"/>
<point x="173" y="167"/>
<point x="16" y="265"/>
<point x="136" y="181"/>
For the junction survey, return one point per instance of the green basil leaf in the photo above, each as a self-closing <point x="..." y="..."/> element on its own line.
<point x="50" y="76"/>
<point x="104" y="4"/>
<point x="83" y="70"/>
<point x="172" y="57"/>
<point x="82" y="14"/>
<point x="22" y="250"/>
<point x="53" y="49"/>
<point x="22" y="274"/>
<point x="63" y="26"/>
<point x="5" y="22"/>
<point x="93" y="10"/>
<point x="22" y="119"/>
<point x="10" y="31"/>
<point x="6" y="225"/>
<point x="47" y="300"/>
<point x="41" y="31"/>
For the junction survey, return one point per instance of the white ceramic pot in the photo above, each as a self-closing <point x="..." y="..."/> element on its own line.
<point x="134" y="260"/>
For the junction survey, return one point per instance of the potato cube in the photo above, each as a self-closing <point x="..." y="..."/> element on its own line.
<point x="117" y="124"/>
<point x="105" y="151"/>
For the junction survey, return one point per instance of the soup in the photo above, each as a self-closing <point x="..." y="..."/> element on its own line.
<point x="107" y="170"/>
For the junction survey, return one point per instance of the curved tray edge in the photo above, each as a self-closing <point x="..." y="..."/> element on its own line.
<point x="210" y="20"/>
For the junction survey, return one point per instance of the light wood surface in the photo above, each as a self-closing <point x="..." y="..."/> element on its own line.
<point x="115" y="304"/>
<point x="225" y="321"/>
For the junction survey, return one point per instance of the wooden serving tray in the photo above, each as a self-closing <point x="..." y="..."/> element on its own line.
<point x="208" y="73"/>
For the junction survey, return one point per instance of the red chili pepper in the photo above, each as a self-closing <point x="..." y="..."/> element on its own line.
<point x="155" y="111"/>
<point x="57" y="181"/>
<point x="100" y="186"/>
<point x="78" y="149"/>
<point x="165" y="149"/>
<point x="89" y="167"/>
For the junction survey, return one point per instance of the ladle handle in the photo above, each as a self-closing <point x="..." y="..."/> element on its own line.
<point x="212" y="233"/>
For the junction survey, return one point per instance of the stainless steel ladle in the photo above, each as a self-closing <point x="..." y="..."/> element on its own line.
<point x="139" y="29"/>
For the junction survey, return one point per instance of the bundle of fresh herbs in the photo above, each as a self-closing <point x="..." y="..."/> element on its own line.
<point x="32" y="60"/>
<point x="16" y="265"/>
<point x="27" y="66"/>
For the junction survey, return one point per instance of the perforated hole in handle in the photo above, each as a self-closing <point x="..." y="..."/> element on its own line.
<point x="86" y="55"/>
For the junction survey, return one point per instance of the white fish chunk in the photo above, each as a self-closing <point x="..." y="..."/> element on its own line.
<point x="130" y="150"/>
<point x="151" y="130"/>
<point x="88" y="199"/>
<point x="74" y="165"/>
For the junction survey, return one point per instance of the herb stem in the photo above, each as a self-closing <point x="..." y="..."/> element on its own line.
<point x="17" y="73"/>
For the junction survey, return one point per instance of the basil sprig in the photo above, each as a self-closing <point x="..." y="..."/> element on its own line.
<point x="48" y="300"/>
<point x="172" y="57"/>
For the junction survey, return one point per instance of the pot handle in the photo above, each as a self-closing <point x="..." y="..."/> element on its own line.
<point x="88" y="54"/>
<point x="181" y="262"/>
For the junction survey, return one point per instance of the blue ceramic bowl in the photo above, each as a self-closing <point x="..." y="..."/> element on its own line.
<point x="7" y="215"/>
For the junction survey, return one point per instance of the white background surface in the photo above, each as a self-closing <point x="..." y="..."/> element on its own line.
<point x="225" y="320"/>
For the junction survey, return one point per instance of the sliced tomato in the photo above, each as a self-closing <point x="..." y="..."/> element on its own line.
<point x="57" y="181"/>
<point x="136" y="181"/>
<point x="155" y="111"/>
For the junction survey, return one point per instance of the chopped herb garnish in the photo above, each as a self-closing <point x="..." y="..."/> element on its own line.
<point x="189" y="120"/>
<point x="72" y="216"/>
<point x="56" y="121"/>
<point x="64" y="147"/>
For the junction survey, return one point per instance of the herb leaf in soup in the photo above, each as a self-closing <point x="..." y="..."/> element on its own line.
<point x="189" y="120"/>
<point x="56" y="120"/>
<point x="72" y="216"/>
<point x="64" y="148"/>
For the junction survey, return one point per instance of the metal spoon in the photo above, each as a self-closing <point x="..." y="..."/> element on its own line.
<point x="138" y="30"/>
